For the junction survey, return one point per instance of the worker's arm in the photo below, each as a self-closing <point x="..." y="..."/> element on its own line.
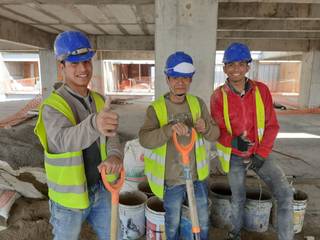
<point x="210" y="129"/>
<point x="65" y="137"/>
<point x="151" y="135"/>
<point x="114" y="162"/>
<point x="114" y="147"/>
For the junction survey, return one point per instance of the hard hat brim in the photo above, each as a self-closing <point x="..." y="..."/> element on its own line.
<point x="177" y="75"/>
<point x="81" y="57"/>
<point x="237" y="60"/>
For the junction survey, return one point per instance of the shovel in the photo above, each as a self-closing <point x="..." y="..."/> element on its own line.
<point x="184" y="151"/>
<point x="114" y="189"/>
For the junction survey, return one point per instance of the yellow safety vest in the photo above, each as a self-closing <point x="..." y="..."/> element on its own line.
<point x="155" y="159"/>
<point x="65" y="171"/>
<point x="224" y="152"/>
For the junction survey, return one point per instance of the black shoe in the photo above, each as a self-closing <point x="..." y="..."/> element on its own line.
<point x="232" y="236"/>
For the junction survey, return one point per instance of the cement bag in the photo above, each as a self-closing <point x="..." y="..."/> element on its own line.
<point x="7" y="199"/>
<point x="133" y="165"/>
<point x="7" y="181"/>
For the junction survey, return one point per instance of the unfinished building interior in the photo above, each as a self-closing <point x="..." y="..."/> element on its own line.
<point x="132" y="40"/>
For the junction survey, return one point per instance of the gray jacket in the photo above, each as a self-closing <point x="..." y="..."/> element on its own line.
<point x="63" y="136"/>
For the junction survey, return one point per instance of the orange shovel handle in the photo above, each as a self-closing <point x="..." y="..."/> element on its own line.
<point x="113" y="188"/>
<point x="185" y="149"/>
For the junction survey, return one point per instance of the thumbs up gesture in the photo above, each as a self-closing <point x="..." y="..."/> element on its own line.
<point x="107" y="121"/>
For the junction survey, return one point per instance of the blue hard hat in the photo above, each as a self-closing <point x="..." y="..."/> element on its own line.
<point x="179" y="64"/>
<point x="73" y="46"/>
<point x="237" y="52"/>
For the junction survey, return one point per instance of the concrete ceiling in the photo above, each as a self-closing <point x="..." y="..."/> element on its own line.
<point x="263" y="24"/>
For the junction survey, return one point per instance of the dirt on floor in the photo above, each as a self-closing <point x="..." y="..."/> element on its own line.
<point x="29" y="220"/>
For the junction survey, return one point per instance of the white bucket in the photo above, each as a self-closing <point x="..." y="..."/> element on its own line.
<point x="299" y="209"/>
<point x="155" y="219"/>
<point x="220" y="195"/>
<point x="132" y="214"/>
<point x="257" y="211"/>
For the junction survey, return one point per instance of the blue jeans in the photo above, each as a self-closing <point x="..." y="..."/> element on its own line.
<point x="174" y="197"/>
<point x="67" y="222"/>
<point x="276" y="180"/>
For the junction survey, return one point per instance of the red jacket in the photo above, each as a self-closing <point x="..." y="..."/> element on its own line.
<point x="242" y="114"/>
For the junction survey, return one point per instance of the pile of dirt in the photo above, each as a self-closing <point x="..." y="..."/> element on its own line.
<point x="29" y="220"/>
<point x="19" y="146"/>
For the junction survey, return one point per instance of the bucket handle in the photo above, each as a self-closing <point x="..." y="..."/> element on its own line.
<point x="260" y="193"/>
<point x="260" y="189"/>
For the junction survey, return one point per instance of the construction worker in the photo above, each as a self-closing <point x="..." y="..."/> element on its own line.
<point x="243" y="109"/>
<point x="78" y="134"/>
<point x="177" y="111"/>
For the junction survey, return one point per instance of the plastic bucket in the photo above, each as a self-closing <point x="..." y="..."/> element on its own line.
<point x="155" y="219"/>
<point x="185" y="221"/>
<point x="145" y="188"/>
<point x="300" y="199"/>
<point x="257" y="211"/>
<point x="220" y="195"/>
<point x="132" y="214"/>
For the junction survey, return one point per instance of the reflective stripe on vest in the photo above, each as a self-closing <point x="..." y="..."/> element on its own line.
<point x="155" y="159"/>
<point x="65" y="171"/>
<point x="260" y="114"/>
<point x="224" y="152"/>
<point x="67" y="189"/>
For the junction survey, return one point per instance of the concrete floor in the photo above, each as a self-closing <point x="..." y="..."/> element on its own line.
<point x="8" y="108"/>
<point x="296" y="148"/>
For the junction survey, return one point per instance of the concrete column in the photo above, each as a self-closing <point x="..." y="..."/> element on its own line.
<point x="48" y="71"/>
<point x="4" y="78"/>
<point x="189" y="26"/>
<point x="97" y="81"/>
<point x="310" y="80"/>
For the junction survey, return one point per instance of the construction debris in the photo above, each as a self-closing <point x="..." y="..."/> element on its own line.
<point x="22" y="115"/>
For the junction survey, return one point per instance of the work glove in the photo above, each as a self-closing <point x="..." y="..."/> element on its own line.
<point x="256" y="162"/>
<point x="241" y="143"/>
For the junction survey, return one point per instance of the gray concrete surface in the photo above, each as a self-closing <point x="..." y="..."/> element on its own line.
<point x="191" y="28"/>
<point x="8" y="108"/>
<point x="290" y="25"/>
<point x="299" y="156"/>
